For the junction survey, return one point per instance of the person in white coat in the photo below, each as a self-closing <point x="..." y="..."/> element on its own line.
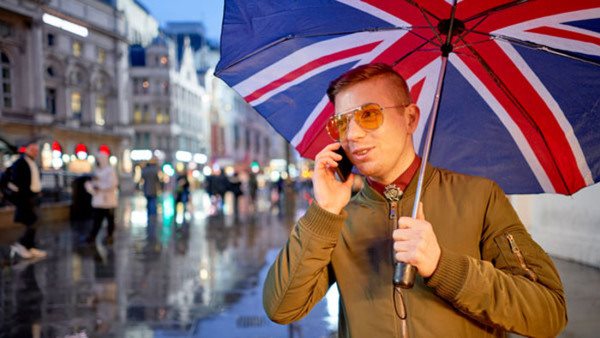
<point x="103" y="188"/>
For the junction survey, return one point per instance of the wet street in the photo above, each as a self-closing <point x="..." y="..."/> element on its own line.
<point x="193" y="273"/>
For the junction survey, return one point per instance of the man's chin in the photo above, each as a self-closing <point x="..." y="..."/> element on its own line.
<point x="365" y="169"/>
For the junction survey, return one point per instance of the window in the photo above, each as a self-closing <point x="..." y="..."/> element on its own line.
<point x="145" y="86"/>
<point x="100" y="112"/>
<point x="247" y="139"/>
<point x="5" y="87"/>
<point x="76" y="48"/>
<point x="257" y="142"/>
<point x="137" y="114"/>
<point x="6" y="29"/>
<point x="236" y="136"/>
<point x="146" y="113"/>
<point x="51" y="100"/>
<point x="101" y="55"/>
<point x="159" y="116"/>
<point x="146" y="140"/>
<point x="50" y="40"/>
<point x="167" y="116"/>
<point x="50" y="71"/>
<point x="76" y="105"/>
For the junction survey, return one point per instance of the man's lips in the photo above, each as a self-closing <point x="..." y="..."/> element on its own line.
<point x="361" y="153"/>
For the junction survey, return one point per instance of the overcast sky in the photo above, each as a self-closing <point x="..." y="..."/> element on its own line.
<point x="210" y="12"/>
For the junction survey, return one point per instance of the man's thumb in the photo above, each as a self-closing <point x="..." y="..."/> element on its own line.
<point x="420" y="213"/>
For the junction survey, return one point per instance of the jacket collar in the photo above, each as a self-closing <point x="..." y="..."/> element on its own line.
<point x="410" y="190"/>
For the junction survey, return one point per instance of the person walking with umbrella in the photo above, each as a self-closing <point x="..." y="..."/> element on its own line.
<point x="479" y="271"/>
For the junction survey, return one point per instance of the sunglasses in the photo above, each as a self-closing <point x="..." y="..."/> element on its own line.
<point x="369" y="117"/>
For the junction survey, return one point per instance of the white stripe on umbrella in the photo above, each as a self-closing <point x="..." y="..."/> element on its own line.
<point x="525" y="31"/>
<point x="317" y="50"/>
<point x="554" y="108"/>
<point x="509" y="124"/>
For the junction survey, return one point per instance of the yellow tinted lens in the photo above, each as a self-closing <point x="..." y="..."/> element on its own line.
<point x="369" y="117"/>
<point x="332" y="128"/>
<point x="342" y="124"/>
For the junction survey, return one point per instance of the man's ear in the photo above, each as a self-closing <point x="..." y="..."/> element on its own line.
<point x="413" y="113"/>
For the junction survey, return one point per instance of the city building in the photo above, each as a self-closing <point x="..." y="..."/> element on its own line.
<point x="170" y="107"/>
<point x="64" y="78"/>
<point x="140" y="26"/>
<point x="239" y="136"/>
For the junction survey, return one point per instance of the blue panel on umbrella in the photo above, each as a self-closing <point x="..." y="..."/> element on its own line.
<point x="592" y="25"/>
<point x="575" y="87"/>
<point x="249" y="26"/>
<point x="469" y="138"/>
<point x="288" y="110"/>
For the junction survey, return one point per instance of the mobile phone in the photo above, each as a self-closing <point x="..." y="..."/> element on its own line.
<point x="344" y="167"/>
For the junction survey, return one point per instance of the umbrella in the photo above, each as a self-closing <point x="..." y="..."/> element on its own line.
<point x="520" y="79"/>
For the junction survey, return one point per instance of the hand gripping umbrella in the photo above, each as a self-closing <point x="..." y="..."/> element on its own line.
<point x="521" y="80"/>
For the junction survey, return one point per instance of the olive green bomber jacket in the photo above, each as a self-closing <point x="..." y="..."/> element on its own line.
<point x="491" y="277"/>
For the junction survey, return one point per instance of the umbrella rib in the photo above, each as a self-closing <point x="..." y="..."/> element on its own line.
<point x="411" y="52"/>
<point x="541" y="47"/>
<point x="504" y="88"/>
<point x="425" y="12"/>
<point x="496" y="9"/>
<point x="472" y="29"/>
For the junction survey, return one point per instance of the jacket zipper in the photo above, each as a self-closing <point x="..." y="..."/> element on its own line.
<point x="517" y="252"/>
<point x="401" y="308"/>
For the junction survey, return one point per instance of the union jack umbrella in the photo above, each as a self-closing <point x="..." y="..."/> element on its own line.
<point x="521" y="79"/>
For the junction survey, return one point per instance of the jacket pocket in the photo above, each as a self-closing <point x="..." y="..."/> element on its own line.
<point x="515" y="250"/>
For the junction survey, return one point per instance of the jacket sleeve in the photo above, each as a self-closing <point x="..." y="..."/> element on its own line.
<point x="301" y="275"/>
<point x="515" y="285"/>
<point x="22" y="177"/>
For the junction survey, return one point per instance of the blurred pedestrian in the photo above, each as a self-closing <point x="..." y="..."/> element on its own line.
<point x="26" y="177"/>
<point x="235" y="186"/>
<point x="182" y="190"/>
<point x="103" y="188"/>
<point x="151" y="185"/>
<point x="252" y="188"/>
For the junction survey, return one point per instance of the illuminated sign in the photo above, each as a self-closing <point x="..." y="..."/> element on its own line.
<point x="65" y="25"/>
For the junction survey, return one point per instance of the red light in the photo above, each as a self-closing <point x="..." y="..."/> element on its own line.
<point x="104" y="149"/>
<point x="80" y="148"/>
<point x="56" y="146"/>
<point x="22" y="149"/>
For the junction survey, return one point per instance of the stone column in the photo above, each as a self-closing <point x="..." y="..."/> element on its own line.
<point x="36" y="68"/>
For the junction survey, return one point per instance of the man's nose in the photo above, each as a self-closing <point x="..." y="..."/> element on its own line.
<point x="354" y="130"/>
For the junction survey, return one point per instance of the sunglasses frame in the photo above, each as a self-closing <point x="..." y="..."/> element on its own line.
<point x="353" y="112"/>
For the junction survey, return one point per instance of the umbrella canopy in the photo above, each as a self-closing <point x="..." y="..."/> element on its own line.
<point x="521" y="97"/>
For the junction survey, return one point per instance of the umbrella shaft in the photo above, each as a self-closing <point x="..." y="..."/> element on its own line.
<point x="404" y="274"/>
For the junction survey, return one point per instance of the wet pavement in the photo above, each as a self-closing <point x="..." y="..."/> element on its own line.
<point x="194" y="273"/>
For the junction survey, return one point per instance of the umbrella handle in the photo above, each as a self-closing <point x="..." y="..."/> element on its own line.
<point x="404" y="275"/>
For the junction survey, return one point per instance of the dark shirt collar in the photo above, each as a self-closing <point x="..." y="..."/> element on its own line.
<point x="402" y="181"/>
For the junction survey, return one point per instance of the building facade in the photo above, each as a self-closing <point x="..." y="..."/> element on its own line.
<point x="65" y="74"/>
<point x="140" y="26"/>
<point x="170" y="107"/>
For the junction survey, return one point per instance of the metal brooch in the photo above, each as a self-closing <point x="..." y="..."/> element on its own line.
<point x="392" y="192"/>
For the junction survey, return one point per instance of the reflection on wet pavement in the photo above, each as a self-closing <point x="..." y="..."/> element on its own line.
<point x="195" y="272"/>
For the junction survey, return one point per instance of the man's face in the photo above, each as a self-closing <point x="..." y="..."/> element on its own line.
<point x="384" y="153"/>
<point x="32" y="150"/>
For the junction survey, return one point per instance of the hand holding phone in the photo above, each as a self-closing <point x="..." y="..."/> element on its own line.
<point x="344" y="167"/>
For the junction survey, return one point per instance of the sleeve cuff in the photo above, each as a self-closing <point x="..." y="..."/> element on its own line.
<point x="450" y="275"/>
<point x="321" y="222"/>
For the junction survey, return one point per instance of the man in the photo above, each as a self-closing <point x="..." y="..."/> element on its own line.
<point x="26" y="176"/>
<point x="479" y="272"/>
<point x="151" y="185"/>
